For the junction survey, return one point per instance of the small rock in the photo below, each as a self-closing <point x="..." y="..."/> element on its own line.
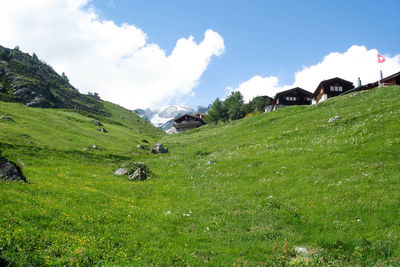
<point x="95" y="147"/>
<point x="85" y="149"/>
<point x="6" y="118"/>
<point x="102" y="130"/>
<point x="97" y="123"/>
<point x="301" y="250"/>
<point x="140" y="147"/>
<point x="139" y="174"/>
<point x="336" y="118"/>
<point x="9" y="171"/>
<point x="159" y="148"/>
<point x="25" y="136"/>
<point x="121" y="171"/>
<point x="211" y="162"/>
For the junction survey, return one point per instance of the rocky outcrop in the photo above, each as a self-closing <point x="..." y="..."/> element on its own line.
<point x="159" y="148"/>
<point x="9" y="171"/>
<point x="25" y="79"/>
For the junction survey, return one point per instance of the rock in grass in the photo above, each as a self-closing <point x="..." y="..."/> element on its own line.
<point x="102" y="130"/>
<point x="140" y="147"/>
<point x="97" y="123"/>
<point x="6" y="118"/>
<point x="121" y="171"/>
<point x="95" y="147"/>
<point x="9" y="171"/>
<point x="336" y="118"/>
<point x="301" y="250"/>
<point x="130" y="168"/>
<point x="139" y="174"/>
<point x="159" y="148"/>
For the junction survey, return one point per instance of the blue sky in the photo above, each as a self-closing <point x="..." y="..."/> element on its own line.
<point x="139" y="53"/>
<point x="262" y="37"/>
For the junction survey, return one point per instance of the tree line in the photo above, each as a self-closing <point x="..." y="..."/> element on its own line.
<point x="234" y="108"/>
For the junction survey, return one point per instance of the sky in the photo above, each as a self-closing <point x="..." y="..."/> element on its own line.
<point x="152" y="53"/>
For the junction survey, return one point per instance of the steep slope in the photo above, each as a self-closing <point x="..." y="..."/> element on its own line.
<point x="28" y="80"/>
<point x="245" y="193"/>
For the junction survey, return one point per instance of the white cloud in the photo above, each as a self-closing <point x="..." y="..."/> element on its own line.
<point x="97" y="55"/>
<point x="257" y="86"/>
<point x="356" y="62"/>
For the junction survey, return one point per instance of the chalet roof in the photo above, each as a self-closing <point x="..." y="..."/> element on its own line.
<point x="188" y="115"/>
<point x="294" y="89"/>
<point x="330" y="81"/>
<point x="391" y="76"/>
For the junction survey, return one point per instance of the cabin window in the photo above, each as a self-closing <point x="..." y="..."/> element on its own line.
<point x="290" y="98"/>
<point x="336" y="88"/>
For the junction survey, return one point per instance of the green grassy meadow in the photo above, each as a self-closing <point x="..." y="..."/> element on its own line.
<point x="244" y="193"/>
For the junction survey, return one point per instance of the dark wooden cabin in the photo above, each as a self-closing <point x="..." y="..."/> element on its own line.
<point x="330" y="88"/>
<point x="393" y="79"/>
<point x="291" y="97"/>
<point x="188" y="122"/>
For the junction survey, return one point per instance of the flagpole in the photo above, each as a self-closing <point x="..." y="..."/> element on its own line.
<point x="377" y="68"/>
<point x="381" y="59"/>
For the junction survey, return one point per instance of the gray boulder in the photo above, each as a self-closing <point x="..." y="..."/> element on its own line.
<point x="336" y="118"/>
<point x="102" y="130"/>
<point x="140" y="147"/>
<point x="95" y="147"/>
<point x="121" y="171"/>
<point x="6" y="118"/>
<point x="9" y="171"/>
<point x="97" y="123"/>
<point x="139" y="174"/>
<point x="159" y="148"/>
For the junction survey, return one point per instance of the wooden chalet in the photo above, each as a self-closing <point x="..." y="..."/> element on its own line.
<point x="188" y="122"/>
<point x="330" y="88"/>
<point x="393" y="79"/>
<point x="291" y="97"/>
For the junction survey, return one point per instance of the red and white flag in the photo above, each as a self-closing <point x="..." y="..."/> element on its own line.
<point x="381" y="59"/>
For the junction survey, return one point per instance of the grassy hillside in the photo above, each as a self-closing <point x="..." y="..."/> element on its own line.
<point x="242" y="193"/>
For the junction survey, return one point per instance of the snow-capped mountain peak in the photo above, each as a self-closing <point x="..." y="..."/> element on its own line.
<point x="164" y="117"/>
